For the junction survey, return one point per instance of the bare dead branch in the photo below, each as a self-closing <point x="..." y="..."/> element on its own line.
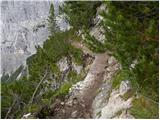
<point x="34" y="93"/>
<point x="10" y="108"/>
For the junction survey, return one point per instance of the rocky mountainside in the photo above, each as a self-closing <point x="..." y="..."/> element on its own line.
<point x="24" y="26"/>
<point x="96" y="66"/>
<point x="92" y="97"/>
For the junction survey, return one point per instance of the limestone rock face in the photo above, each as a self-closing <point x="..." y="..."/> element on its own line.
<point x="23" y="26"/>
<point x="98" y="31"/>
<point x="113" y="106"/>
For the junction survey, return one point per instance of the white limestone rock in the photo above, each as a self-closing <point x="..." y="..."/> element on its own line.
<point x="74" y="114"/>
<point x="116" y="103"/>
<point x="108" y="104"/>
<point x="27" y="116"/>
<point x="124" y="87"/>
<point x="77" y="68"/>
<point x="63" y="64"/>
<point x="135" y="62"/>
<point x="98" y="33"/>
<point x="112" y="61"/>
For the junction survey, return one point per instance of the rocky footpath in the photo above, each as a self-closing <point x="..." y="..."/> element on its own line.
<point x="78" y="103"/>
<point x="94" y="96"/>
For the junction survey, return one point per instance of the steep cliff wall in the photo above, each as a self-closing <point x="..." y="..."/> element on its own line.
<point x="23" y="26"/>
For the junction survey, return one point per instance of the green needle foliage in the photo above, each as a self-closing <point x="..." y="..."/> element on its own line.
<point x="16" y="95"/>
<point x="132" y="34"/>
<point x="93" y="44"/>
<point x="52" y="26"/>
<point x="128" y="40"/>
<point x="80" y="13"/>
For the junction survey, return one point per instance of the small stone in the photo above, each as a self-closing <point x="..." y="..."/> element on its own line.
<point x="62" y="103"/>
<point x="69" y="103"/>
<point x="135" y="62"/>
<point x="26" y="116"/>
<point x="74" y="114"/>
<point x="124" y="87"/>
<point x="63" y="111"/>
<point x="83" y="105"/>
<point x="111" y="60"/>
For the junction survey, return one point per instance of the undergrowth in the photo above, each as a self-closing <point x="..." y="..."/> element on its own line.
<point x="144" y="108"/>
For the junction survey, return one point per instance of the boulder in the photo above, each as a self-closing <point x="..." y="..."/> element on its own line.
<point x="63" y="64"/>
<point x="77" y="68"/>
<point x="125" y="86"/>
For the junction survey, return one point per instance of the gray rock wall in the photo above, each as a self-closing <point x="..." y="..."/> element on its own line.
<point x="23" y="25"/>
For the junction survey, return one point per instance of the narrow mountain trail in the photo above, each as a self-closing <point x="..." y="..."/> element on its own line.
<point x="94" y="77"/>
<point x="93" y="80"/>
<point x="82" y="94"/>
<point x="82" y="47"/>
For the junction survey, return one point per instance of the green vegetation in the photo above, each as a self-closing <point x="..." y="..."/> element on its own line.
<point x="8" y="78"/>
<point x="52" y="26"/>
<point x="14" y="96"/>
<point x="130" y="93"/>
<point x="132" y="31"/>
<point x="19" y="92"/>
<point x="98" y="114"/>
<point x="77" y="55"/>
<point x="144" y="108"/>
<point x="41" y="66"/>
<point x="120" y="76"/>
<point x="93" y="44"/>
<point x="80" y="13"/>
<point x="127" y="43"/>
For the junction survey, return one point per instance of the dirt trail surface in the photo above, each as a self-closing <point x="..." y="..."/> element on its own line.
<point x="78" y="103"/>
<point x="88" y="87"/>
<point x="82" y="47"/>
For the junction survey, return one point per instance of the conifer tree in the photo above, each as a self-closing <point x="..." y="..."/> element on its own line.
<point x="80" y="13"/>
<point x="132" y="30"/>
<point x="52" y="26"/>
